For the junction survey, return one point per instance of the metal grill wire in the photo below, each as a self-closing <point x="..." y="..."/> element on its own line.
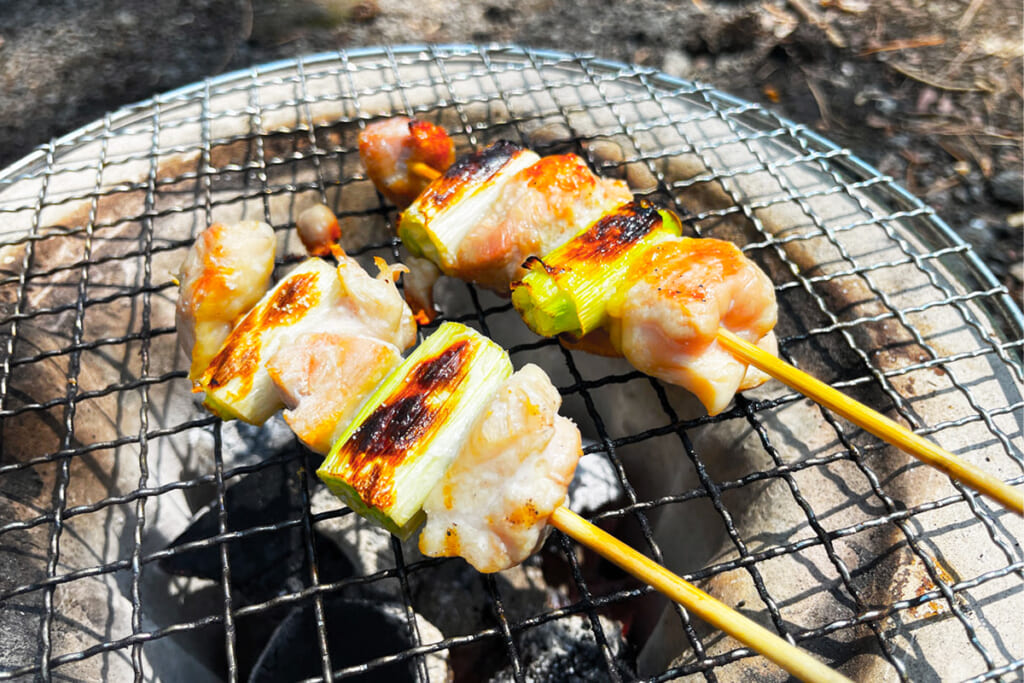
<point x="310" y="144"/>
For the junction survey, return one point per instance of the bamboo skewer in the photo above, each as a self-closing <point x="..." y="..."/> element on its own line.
<point x="791" y="658"/>
<point x="870" y="420"/>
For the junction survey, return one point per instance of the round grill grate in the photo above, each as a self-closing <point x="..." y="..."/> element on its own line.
<point x="142" y="539"/>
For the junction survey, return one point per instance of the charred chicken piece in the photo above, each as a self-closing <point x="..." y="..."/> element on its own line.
<point x="313" y="297"/>
<point x="542" y="207"/>
<point x="388" y="147"/>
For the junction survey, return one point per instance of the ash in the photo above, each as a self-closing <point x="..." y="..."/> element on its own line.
<point x="566" y="650"/>
<point x="594" y="486"/>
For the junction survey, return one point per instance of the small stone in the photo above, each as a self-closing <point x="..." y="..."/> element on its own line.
<point x="886" y="105"/>
<point x="1008" y="187"/>
<point x="979" y="224"/>
<point x="365" y="11"/>
<point x="677" y="63"/>
<point x="125" y="19"/>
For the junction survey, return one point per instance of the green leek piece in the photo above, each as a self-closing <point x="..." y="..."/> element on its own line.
<point x="566" y="292"/>
<point x="410" y="430"/>
<point x="435" y="224"/>
<point x="236" y="382"/>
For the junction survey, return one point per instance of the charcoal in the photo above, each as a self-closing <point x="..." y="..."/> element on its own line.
<point x="566" y="651"/>
<point x="263" y="564"/>
<point x="358" y="631"/>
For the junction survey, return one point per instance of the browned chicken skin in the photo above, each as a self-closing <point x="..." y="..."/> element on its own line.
<point x="388" y="147"/>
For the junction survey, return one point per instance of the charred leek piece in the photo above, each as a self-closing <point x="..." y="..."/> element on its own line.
<point x="435" y="224"/>
<point x="567" y="291"/>
<point x="236" y="382"/>
<point x="409" y="431"/>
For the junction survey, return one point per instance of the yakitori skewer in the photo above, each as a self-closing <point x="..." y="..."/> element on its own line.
<point x="324" y="340"/>
<point x="490" y="484"/>
<point x="868" y="419"/>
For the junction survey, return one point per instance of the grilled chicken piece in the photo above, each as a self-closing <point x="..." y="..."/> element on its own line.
<point x="324" y="377"/>
<point x="541" y="208"/>
<point x="376" y="302"/>
<point x="418" y="287"/>
<point x="493" y="504"/>
<point x="677" y="294"/>
<point x="388" y="147"/>
<point x="224" y="274"/>
<point x="318" y="230"/>
<point x="313" y="297"/>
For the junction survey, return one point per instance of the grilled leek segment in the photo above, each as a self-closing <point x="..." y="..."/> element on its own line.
<point x="236" y="382"/>
<point x="435" y="224"/>
<point x="410" y="430"/>
<point x="566" y="292"/>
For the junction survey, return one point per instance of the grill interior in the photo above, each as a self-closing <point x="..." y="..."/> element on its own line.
<point x="141" y="538"/>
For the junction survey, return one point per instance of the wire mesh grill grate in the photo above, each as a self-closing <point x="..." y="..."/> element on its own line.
<point x="141" y="538"/>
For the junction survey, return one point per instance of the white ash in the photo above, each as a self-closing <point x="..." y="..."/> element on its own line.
<point x="245" y="444"/>
<point x="566" y="650"/>
<point x="366" y="545"/>
<point x="595" y="485"/>
<point x="240" y="443"/>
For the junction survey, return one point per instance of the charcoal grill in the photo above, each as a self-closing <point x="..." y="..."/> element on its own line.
<point x="883" y="567"/>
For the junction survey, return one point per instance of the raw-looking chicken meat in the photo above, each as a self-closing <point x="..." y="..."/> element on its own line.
<point x="665" y="318"/>
<point x="540" y="208"/>
<point x="324" y="377"/>
<point x="388" y="147"/>
<point x="224" y="274"/>
<point x="493" y="504"/>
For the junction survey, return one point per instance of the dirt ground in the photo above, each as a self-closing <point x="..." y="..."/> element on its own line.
<point x="929" y="92"/>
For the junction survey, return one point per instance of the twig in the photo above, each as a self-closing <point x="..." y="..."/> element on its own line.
<point x="927" y="80"/>
<point x="904" y="44"/>
<point x="968" y="16"/>
<point x="820" y="22"/>
<point x="821" y="101"/>
<point x="941" y="185"/>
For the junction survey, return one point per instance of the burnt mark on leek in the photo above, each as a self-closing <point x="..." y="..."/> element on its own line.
<point x="476" y="167"/>
<point x="410" y="430"/>
<point x="566" y="291"/>
<point x="611" y="235"/>
<point x="240" y="355"/>
<point x="404" y="420"/>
